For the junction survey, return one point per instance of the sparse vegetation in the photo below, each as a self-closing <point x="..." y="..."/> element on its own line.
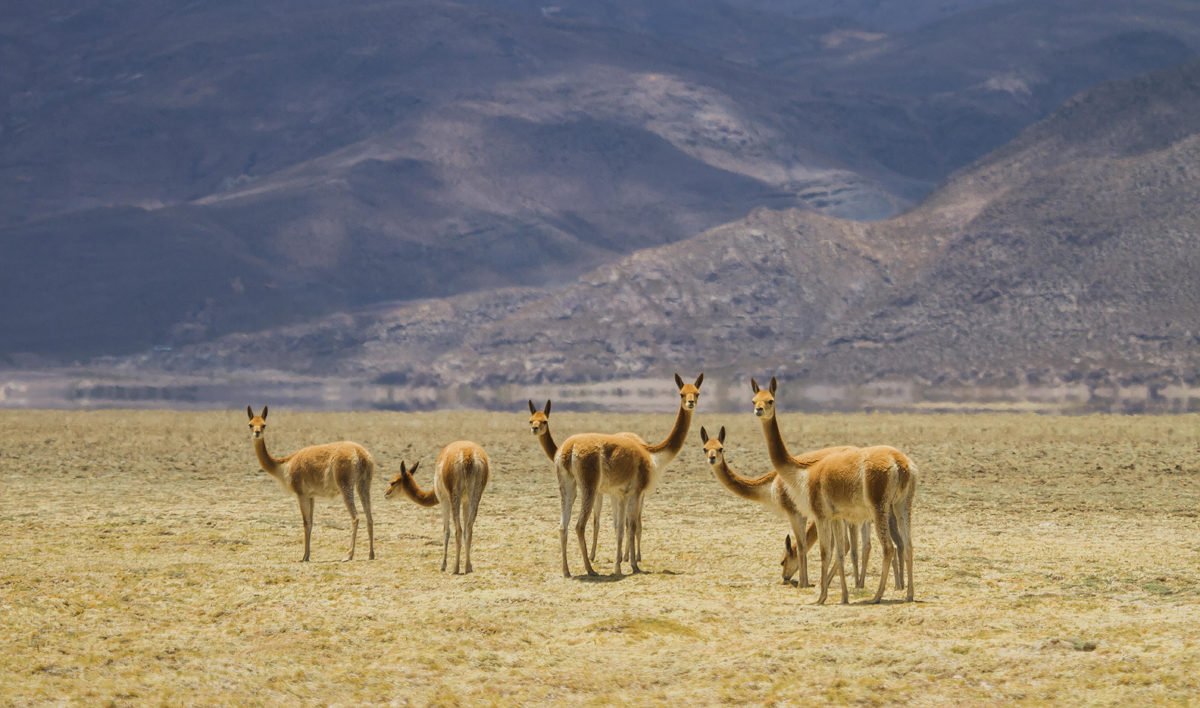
<point x="146" y="559"/>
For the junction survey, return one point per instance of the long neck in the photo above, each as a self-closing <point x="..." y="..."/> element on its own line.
<point x="666" y="450"/>
<point x="757" y="489"/>
<point x="412" y="491"/>
<point x="548" y="444"/>
<point x="269" y="464"/>
<point x="781" y="460"/>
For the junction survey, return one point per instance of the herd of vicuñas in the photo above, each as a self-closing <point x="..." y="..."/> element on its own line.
<point x="832" y="497"/>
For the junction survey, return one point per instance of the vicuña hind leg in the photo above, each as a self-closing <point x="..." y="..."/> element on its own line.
<point x="898" y="539"/>
<point x="348" y="497"/>
<point x="445" y="532"/>
<point x="888" y="549"/>
<point x="456" y="511"/>
<point x="827" y="540"/>
<point x="904" y="526"/>
<point x="364" y="493"/>
<point x="596" y="527"/>
<point x="587" y="499"/>
<point x="470" y="512"/>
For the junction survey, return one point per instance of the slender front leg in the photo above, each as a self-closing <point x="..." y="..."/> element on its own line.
<point x="306" y="514"/>
<point x="825" y="536"/>
<point x="635" y="532"/>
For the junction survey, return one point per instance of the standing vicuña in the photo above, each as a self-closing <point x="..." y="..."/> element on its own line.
<point x="539" y="423"/>
<point x="320" y="471"/>
<point x="621" y="465"/>
<point x="770" y="491"/>
<point x="874" y="484"/>
<point x="459" y="476"/>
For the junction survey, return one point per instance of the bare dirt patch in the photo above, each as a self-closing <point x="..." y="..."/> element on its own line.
<point x="146" y="559"/>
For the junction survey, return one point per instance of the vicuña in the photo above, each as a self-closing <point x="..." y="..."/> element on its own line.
<point x="770" y="491"/>
<point x="539" y="424"/>
<point x="320" y="471"/>
<point x="874" y="484"/>
<point x="623" y="466"/>
<point x="459" y="476"/>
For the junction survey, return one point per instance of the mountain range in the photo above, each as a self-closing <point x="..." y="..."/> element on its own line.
<point x="503" y="192"/>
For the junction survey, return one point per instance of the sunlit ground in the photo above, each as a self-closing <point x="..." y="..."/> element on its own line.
<point x="146" y="559"/>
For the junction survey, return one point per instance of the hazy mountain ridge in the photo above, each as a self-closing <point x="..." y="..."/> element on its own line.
<point x="181" y="173"/>
<point x="1063" y="259"/>
<point x="486" y="152"/>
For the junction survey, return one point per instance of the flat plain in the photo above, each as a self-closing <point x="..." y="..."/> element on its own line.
<point x="147" y="559"/>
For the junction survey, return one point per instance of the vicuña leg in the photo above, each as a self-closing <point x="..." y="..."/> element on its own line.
<point x="456" y="511"/>
<point x="306" y="515"/>
<point x="844" y="539"/>
<point x="799" y="531"/>
<point x="903" y="513"/>
<point x="853" y="531"/>
<point x="898" y="539"/>
<point x="596" y="527"/>
<point x="566" y="491"/>
<point x="446" y="510"/>
<point x="470" y="511"/>
<point x="860" y="581"/>
<point x="587" y="498"/>
<point x="348" y="497"/>
<point x="364" y="493"/>
<point x="883" y="533"/>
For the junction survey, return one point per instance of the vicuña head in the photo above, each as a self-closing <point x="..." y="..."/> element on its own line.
<point x="791" y="559"/>
<point x="396" y="486"/>
<point x="688" y="393"/>
<point x="258" y="423"/>
<point x="714" y="448"/>
<point x="764" y="400"/>
<point x="539" y="421"/>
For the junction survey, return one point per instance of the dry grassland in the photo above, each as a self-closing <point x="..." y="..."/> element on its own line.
<point x="146" y="559"/>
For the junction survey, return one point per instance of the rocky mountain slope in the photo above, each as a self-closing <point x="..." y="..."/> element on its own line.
<point x="175" y="173"/>
<point x="1065" y="258"/>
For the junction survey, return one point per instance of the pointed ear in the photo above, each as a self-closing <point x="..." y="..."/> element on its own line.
<point x="699" y="380"/>
<point x="403" y="470"/>
<point x="264" y="413"/>
<point x="787" y="544"/>
<point x="546" y="410"/>
<point x="774" y="385"/>
<point x="753" y="385"/>
<point x="249" y="413"/>
<point x="703" y="435"/>
<point x="721" y="435"/>
<point x="413" y="469"/>
<point x="532" y="408"/>
<point x="678" y="381"/>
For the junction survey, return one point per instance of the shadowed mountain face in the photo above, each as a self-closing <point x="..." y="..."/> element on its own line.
<point x="177" y="173"/>
<point x="1064" y="258"/>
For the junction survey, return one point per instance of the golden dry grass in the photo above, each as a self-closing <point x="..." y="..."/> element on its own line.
<point x="146" y="559"/>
